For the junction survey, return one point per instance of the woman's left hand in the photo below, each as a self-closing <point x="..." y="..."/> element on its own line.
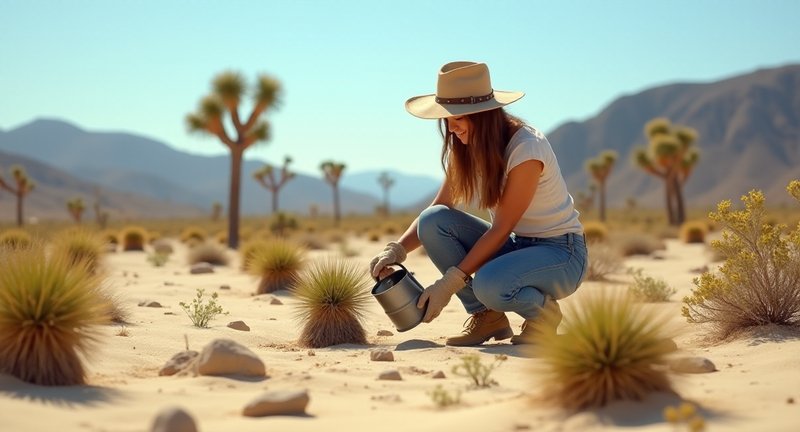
<point x="438" y="295"/>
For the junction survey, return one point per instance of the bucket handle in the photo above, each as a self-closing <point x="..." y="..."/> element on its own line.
<point x="397" y="263"/>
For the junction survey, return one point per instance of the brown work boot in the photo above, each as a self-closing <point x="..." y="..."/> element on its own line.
<point x="482" y="326"/>
<point x="548" y="320"/>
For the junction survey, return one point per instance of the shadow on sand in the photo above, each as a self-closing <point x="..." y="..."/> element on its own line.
<point x="64" y="396"/>
<point x="649" y="411"/>
<point x="417" y="344"/>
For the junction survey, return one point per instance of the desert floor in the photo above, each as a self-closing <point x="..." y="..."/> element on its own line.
<point x="756" y="387"/>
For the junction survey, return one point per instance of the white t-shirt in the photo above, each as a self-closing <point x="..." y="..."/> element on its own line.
<point x="552" y="211"/>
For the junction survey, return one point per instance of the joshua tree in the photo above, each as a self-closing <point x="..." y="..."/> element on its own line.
<point x="100" y="216"/>
<point x="670" y="155"/>
<point x="23" y="185"/>
<point x="386" y="183"/>
<point x="216" y="211"/>
<point x="228" y="90"/>
<point x="266" y="177"/>
<point x="599" y="168"/>
<point x="333" y="172"/>
<point x="75" y="207"/>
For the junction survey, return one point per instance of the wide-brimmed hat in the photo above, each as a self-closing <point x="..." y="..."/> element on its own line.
<point x="463" y="88"/>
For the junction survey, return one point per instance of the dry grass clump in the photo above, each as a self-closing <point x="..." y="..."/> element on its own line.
<point x="604" y="259"/>
<point x="278" y="263"/>
<point x="694" y="232"/>
<point x="80" y="245"/>
<point x="635" y="243"/>
<point x="374" y="236"/>
<point x="595" y="231"/>
<point x="312" y="242"/>
<point x="649" y="289"/>
<point x="49" y="310"/>
<point x="15" y="239"/>
<point x="248" y="250"/>
<point x="759" y="282"/>
<point x="111" y="237"/>
<point x="613" y="349"/>
<point x="209" y="252"/>
<point x="333" y="297"/>
<point x="193" y="234"/>
<point x="133" y="238"/>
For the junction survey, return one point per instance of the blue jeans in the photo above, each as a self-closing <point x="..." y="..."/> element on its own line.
<point x="521" y="275"/>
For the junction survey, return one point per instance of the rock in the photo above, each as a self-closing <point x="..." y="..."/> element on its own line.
<point x="239" y="325"/>
<point x="201" y="268"/>
<point x="277" y="403"/>
<point x="438" y="375"/>
<point x="311" y="353"/>
<point x="692" y="365"/>
<point x="390" y="375"/>
<point x="701" y="269"/>
<point x="275" y="301"/>
<point x="150" y="303"/>
<point x="168" y="283"/>
<point x="381" y="355"/>
<point x="227" y="357"/>
<point x="173" y="419"/>
<point x="177" y="363"/>
<point x="385" y="333"/>
<point x="224" y="287"/>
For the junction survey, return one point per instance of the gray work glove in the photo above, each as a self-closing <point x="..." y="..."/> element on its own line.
<point x="393" y="253"/>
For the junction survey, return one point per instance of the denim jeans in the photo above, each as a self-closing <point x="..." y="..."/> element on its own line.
<point x="521" y="275"/>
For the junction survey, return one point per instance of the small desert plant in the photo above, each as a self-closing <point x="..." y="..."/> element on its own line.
<point x="80" y="245"/>
<point x="604" y="260"/>
<point x="693" y="232"/>
<point x="374" y="236"/>
<point x="479" y="373"/>
<point x="278" y="263"/>
<point x="648" y="289"/>
<point x="312" y="242"/>
<point x="209" y="252"/>
<point x="443" y="398"/>
<point x="333" y="298"/>
<point x="133" y="238"/>
<point x="193" y="234"/>
<point x="630" y="243"/>
<point x="201" y="312"/>
<point x="759" y="282"/>
<point x="163" y="247"/>
<point x="15" y="239"/>
<point x="595" y="231"/>
<point x="157" y="259"/>
<point x="281" y="223"/>
<point x="685" y="413"/>
<point x="49" y="310"/>
<point x="613" y="349"/>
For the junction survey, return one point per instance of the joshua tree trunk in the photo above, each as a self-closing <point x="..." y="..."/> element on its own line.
<point x="680" y="210"/>
<point x="20" y="199"/>
<point x="602" y="201"/>
<point x="235" y="197"/>
<point x="668" y="196"/>
<point x="336" y="211"/>
<point x="275" y="201"/>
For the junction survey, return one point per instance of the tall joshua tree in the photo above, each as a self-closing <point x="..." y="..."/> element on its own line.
<point x="216" y="211"/>
<point x="599" y="168"/>
<point x="333" y="173"/>
<point x="266" y="177"/>
<point x="22" y="186"/>
<point x="75" y="207"/>
<point x="386" y="183"/>
<point x="228" y="90"/>
<point x="670" y="156"/>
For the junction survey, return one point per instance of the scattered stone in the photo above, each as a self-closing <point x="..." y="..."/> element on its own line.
<point x="224" y="287"/>
<point x="168" y="283"/>
<point x="150" y="303"/>
<point x="385" y="333"/>
<point x="239" y="325"/>
<point x="390" y="375"/>
<point x="277" y="403"/>
<point x="381" y="355"/>
<point x="438" y="375"/>
<point x="658" y="256"/>
<point x="311" y="353"/>
<point x="275" y="301"/>
<point x="701" y="269"/>
<point x="174" y="419"/>
<point x="170" y="313"/>
<point x="177" y="363"/>
<point x="227" y="357"/>
<point x="692" y="365"/>
<point x="390" y="398"/>
<point x="201" y="268"/>
<point x="521" y="426"/>
<point x="790" y="401"/>
<point x="136" y="275"/>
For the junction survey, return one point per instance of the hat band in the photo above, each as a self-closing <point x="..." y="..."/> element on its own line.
<point x="465" y="100"/>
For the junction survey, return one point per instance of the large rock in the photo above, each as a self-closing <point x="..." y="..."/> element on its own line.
<point x="239" y="325"/>
<point x="201" y="268"/>
<point x="692" y="365"/>
<point x="390" y="375"/>
<point x="381" y="355"/>
<point x="177" y="363"/>
<point x="278" y="403"/>
<point x="227" y="357"/>
<point x="173" y="419"/>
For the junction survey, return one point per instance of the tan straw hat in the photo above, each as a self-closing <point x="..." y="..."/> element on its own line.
<point x="463" y="88"/>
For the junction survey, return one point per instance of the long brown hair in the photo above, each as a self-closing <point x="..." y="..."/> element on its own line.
<point x="476" y="170"/>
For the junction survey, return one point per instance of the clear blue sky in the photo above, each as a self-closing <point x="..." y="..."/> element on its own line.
<point x="347" y="67"/>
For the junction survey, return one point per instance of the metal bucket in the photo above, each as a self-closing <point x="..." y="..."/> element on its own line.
<point x="398" y="294"/>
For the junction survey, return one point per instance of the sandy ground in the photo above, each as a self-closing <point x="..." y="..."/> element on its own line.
<point x="757" y="376"/>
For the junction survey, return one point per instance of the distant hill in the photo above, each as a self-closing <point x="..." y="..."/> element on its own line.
<point x="406" y="191"/>
<point x="54" y="187"/>
<point x="749" y="137"/>
<point x="137" y="164"/>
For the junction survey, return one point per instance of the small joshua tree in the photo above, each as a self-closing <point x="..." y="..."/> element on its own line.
<point x="277" y="262"/>
<point x="333" y="297"/>
<point x="266" y="177"/>
<point x="386" y="182"/>
<point x="75" y="207"/>
<point x="599" y="168"/>
<point x="22" y="186"/>
<point x="216" y="211"/>
<point x="333" y="173"/>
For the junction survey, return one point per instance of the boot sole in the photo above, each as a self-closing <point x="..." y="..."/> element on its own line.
<point x="498" y="336"/>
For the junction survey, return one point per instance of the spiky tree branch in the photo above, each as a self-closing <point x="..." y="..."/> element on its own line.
<point x="22" y="186"/>
<point x="600" y="168"/>
<point x="386" y="183"/>
<point x="266" y="177"/>
<point x="333" y="173"/>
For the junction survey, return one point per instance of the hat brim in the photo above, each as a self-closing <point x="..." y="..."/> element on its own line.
<point x="426" y="106"/>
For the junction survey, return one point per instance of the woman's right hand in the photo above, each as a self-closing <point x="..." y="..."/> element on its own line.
<point x="393" y="253"/>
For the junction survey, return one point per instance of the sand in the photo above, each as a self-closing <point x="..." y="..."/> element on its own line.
<point x="758" y="376"/>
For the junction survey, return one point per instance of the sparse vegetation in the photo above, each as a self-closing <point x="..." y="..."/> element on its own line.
<point x="649" y="289"/>
<point x="604" y="260"/>
<point x="157" y="259"/>
<point x="443" y="398"/>
<point x="599" y="169"/>
<point x="266" y="177"/>
<point x="15" y="239"/>
<point x="200" y="311"/>
<point x="332" y="172"/>
<point x="23" y="185"/>
<point x="595" y="232"/>
<point x="278" y="263"/>
<point x="193" y="233"/>
<point x="478" y="373"/>
<point x="209" y="252"/>
<point x="636" y="243"/>
<point x="80" y="245"/>
<point x="133" y="238"/>
<point x="693" y="232"/>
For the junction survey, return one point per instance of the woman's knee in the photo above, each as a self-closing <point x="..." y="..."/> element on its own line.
<point x="489" y="289"/>
<point x="431" y="220"/>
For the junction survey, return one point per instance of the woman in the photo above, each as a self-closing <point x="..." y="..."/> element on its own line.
<point x="532" y="253"/>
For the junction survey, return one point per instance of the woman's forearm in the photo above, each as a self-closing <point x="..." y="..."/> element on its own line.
<point x="484" y="249"/>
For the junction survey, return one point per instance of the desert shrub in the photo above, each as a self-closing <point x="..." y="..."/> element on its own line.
<point x="193" y="234"/>
<point x="443" y="398"/>
<point x="478" y="373"/>
<point x="374" y="236"/>
<point x="693" y="232"/>
<point x="631" y="243"/>
<point x="613" y="349"/>
<point x="209" y="252"/>
<point x="153" y="236"/>
<point x="595" y="231"/>
<point x="15" y="239"/>
<point x="249" y="249"/>
<point x="333" y="298"/>
<point x="157" y="259"/>
<point x="110" y="237"/>
<point x="390" y="230"/>
<point x="200" y="311"/>
<point x="335" y="236"/>
<point x="163" y="247"/>
<point x="281" y="223"/>
<point x="278" y="263"/>
<point x="668" y="232"/>
<point x="80" y="245"/>
<point x="312" y="242"/>
<point x="115" y="306"/>
<point x="133" y="238"/>
<point x="49" y="312"/>
<point x="604" y="260"/>
<point x="649" y="289"/>
<point x="759" y="281"/>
